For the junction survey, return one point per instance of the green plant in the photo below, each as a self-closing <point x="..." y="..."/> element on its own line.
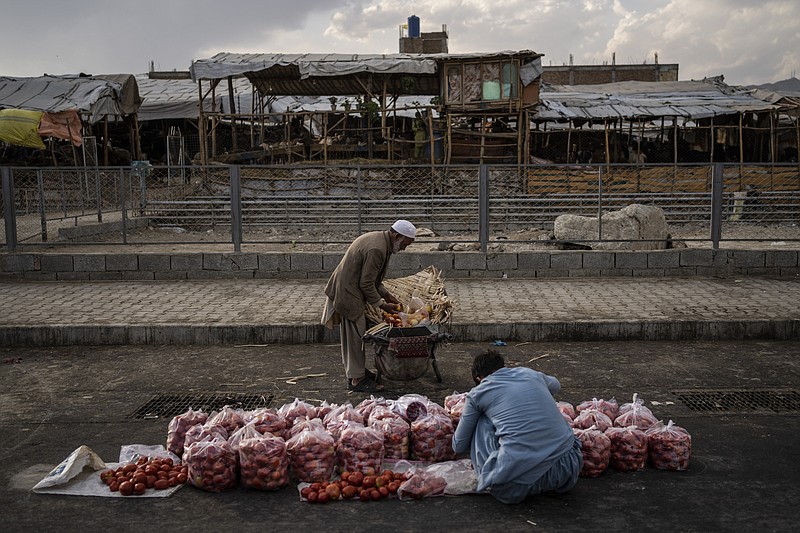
<point x="408" y="84"/>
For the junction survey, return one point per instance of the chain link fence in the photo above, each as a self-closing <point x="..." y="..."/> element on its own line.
<point x="318" y="204"/>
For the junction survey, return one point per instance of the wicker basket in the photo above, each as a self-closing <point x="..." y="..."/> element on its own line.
<point x="427" y="285"/>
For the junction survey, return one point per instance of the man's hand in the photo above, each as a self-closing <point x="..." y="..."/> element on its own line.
<point x="391" y="307"/>
<point x="390" y="298"/>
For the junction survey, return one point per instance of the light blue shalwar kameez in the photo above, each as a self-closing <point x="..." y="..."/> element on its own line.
<point x="518" y="440"/>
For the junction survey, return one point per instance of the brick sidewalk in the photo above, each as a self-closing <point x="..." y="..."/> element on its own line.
<point x="288" y="310"/>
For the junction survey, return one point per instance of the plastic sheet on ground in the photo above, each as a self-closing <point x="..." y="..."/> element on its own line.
<point x="78" y="475"/>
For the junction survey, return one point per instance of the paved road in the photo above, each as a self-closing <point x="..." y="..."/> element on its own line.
<point x="743" y="471"/>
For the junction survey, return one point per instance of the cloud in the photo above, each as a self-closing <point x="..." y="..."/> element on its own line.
<point x="746" y="41"/>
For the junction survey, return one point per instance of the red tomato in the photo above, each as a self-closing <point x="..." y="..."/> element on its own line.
<point x="126" y="489"/>
<point x="333" y="491"/>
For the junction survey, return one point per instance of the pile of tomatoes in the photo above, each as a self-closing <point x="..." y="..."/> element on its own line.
<point x="366" y="487"/>
<point x="393" y="319"/>
<point x="145" y="473"/>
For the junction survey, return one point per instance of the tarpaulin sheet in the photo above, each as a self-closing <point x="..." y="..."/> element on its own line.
<point x="64" y="125"/>
<point x="21" y="127"/>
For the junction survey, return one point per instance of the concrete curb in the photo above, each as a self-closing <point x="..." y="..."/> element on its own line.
<point x="180" y="334"/>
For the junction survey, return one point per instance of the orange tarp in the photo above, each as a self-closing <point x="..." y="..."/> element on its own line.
<point x="62" y="125"/>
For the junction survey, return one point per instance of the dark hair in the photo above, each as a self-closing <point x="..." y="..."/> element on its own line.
<point x="485" y="363"/>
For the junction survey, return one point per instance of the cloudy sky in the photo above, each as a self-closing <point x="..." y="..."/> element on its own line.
<point x="747" y="41"/>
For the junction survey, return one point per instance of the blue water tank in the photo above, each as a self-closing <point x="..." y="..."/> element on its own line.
<point x="413" y="26"/>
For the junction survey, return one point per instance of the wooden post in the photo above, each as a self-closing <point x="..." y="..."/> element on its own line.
<point x="325" y="138"/>
<point x="201" y="124"/>
<point x="527" y="142"/>
<point x="741" y="146"/>
<point x="483" y="137"/>
<point x="232" y="105"/>
<point x="520" y="137"/>
<point x="431" y="140"/>
<point x="569" y="138"/>
<point x="713" y="140"/>
<point x="105" y="141"/>
<point x="674" y="150"/>
<point x="214" y="118"/>
<point x="772" y="147"/>
<point x="449" y="156"/>
<point x="137" y="140"/>
<point x="797" y="140"/>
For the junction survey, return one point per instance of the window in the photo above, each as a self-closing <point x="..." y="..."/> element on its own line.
<point x="481" y="82"/>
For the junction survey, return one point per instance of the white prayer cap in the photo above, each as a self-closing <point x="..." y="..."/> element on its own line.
<point x="405" y="228"/>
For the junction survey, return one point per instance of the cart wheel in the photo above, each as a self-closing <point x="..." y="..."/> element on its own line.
<point x="436" y="370"/>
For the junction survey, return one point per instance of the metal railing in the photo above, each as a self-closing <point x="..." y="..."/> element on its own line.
<point x="332" y="204"/>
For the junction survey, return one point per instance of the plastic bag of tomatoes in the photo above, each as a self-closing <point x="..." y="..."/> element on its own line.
<point x="211" y="464"/>
<point x="312" y="456"/>
<point x="263" y="463"/>
<point x="360" y="449"/>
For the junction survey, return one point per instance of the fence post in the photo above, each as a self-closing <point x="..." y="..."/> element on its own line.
<point x="98" y="194"/>
<point x="716" y="204"/>
<point x="600" y="202"/>
<point x="142" y="193"/>
<point x="8" y="204"/>
<point x="123" y="208"/>
<point x="42" y="212"/>
<point x="359" y="193"/>
<point x="483" y="207"/>
<point x="236" y="208"/>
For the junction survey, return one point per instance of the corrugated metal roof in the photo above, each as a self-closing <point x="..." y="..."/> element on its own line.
<point x="632" y="100"/>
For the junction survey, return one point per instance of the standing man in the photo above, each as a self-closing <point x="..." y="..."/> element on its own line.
<point x="519" y="442"/>
<point x="356" y="282"/>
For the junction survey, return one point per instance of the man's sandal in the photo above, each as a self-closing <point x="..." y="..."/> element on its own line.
<point x="367" y="384"/>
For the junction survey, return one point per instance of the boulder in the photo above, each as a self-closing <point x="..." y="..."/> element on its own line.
<point x="634" y="225"/>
